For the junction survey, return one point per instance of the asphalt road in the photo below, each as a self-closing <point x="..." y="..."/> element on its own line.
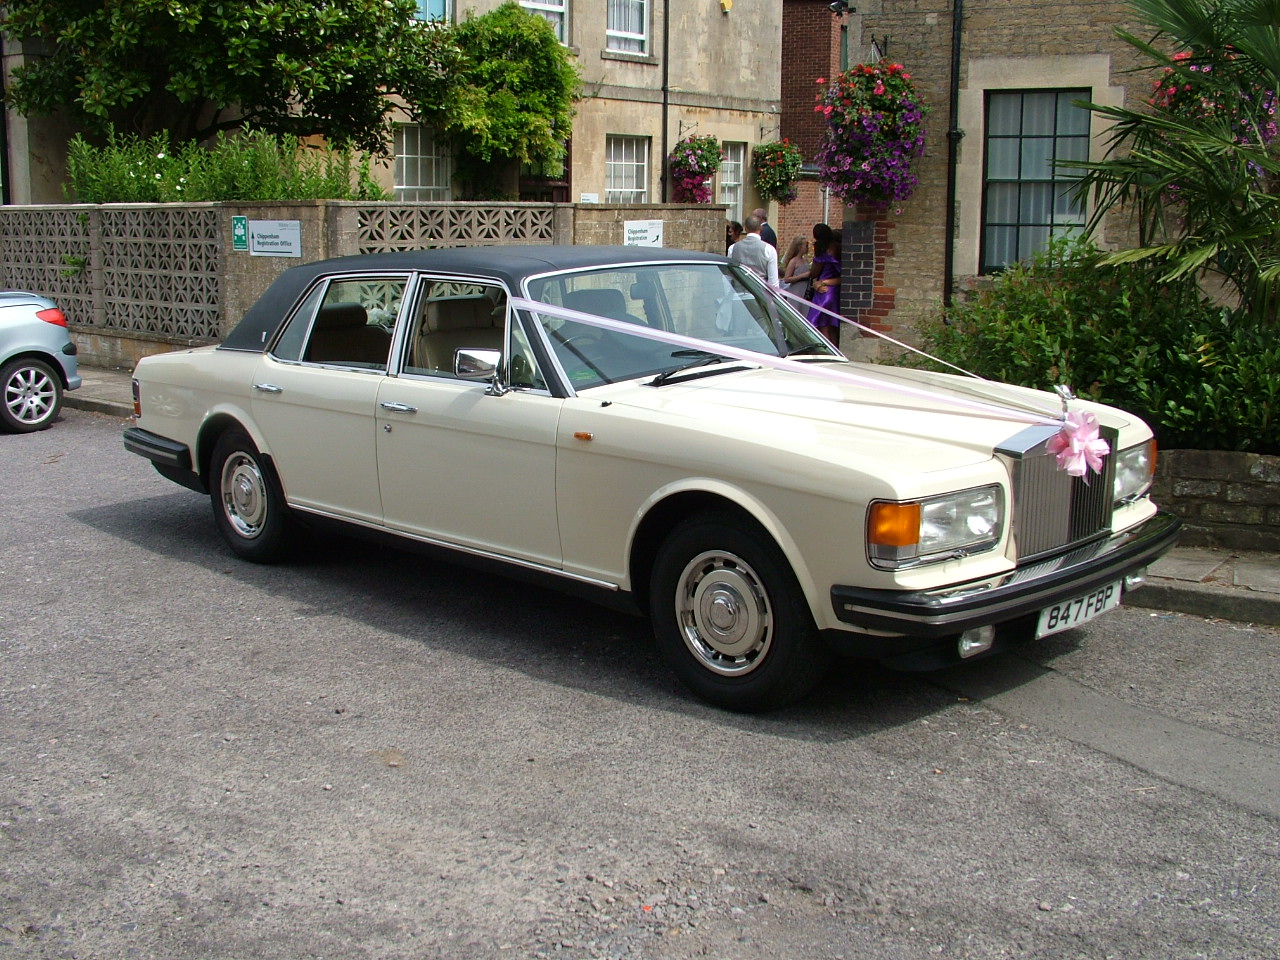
<point x="364" y="754"/>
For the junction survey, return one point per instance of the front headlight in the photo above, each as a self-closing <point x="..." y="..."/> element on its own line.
<point x="904" y="534"/>
<point x="1135" y="469"/>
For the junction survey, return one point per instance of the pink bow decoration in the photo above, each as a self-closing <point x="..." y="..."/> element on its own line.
<point x="1078" y="446"/>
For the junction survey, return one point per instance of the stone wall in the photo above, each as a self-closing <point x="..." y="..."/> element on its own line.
<point x="1228" y="500"/>
<point x="140" y="279"/>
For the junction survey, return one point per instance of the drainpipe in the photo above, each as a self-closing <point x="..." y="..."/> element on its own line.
<point x="4" y="130"/>
<point x="954" y="136"/>
<point x="666" y="97"/>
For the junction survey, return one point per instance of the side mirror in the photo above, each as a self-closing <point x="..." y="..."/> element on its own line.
<point x="475" y="363"/>
<point x="481" y="366"/>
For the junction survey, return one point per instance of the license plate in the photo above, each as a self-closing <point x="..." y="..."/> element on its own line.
<point x="1072" y="613"/>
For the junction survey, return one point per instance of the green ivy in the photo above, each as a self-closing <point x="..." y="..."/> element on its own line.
<point x="511" y="98"/>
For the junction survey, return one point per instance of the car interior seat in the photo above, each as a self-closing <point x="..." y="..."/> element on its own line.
<point x="452" y="323"/>
<point x="342" y="335"/>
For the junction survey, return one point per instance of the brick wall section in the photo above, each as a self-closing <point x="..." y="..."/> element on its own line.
<point x="1229" y="500"/>
<point x="810" y="49"/>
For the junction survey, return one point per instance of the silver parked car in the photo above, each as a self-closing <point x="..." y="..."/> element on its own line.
<point x="37" y="361"/>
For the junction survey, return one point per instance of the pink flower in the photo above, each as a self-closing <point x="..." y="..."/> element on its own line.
<point x="1078" y="446"/>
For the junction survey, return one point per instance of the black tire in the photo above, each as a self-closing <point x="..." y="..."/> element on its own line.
<point x="730" y="618"/>
<point x="30" y="395"/>
<point x="248" y="502"/>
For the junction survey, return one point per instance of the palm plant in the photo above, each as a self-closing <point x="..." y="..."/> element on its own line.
<point x="1200" y="168"/>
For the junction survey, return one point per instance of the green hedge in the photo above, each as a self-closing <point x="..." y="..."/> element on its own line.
<point x="251" y="166"/>
<point x="1203" y="376"/>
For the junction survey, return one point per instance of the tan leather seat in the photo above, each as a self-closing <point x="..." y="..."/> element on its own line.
<point x="342" y="335"/>
<point x="607" y="303"/>
<point x="453" y="323"/>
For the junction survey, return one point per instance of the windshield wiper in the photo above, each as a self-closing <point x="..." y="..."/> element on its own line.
<point x="701" y="358"/>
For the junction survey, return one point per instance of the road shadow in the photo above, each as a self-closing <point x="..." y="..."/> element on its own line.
<point x="545" y="634"/>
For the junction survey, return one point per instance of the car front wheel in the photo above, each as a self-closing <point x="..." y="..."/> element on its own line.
<point x="248" y="503"/>
<point x="730" y="618"/>
<point x="32" y="395"/>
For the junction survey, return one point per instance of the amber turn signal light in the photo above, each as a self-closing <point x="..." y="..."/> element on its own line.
<point x="894" y="524"/>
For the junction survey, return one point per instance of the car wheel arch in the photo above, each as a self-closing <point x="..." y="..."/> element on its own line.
<point x="212" y="430"/>
<point x="666" y="514"/>
<point x="44" y="357"/>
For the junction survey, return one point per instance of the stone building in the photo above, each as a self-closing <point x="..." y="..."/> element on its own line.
<point x="1002" y="79"/>
<point x="654" y="71"/>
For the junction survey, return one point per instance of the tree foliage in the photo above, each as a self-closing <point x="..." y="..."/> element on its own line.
<point x="195" y="67"/>
<point x="513" y="92"/>
<point x="1199" y="164"/>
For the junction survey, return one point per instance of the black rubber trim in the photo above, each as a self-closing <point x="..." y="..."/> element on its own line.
<point x="156" y="448"/>
<point x="958" y="607"/>
<point x="171" y="459"/>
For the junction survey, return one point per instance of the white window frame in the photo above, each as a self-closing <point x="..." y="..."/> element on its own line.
<point x="620" y="33"/>
<point x="730" y="178"/>
<point x="626" y="168"/>
<point x="555" y="12"/>
<point x="423" y="167"/>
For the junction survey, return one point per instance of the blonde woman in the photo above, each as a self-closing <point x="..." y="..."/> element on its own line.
<point x="795" y="267"/>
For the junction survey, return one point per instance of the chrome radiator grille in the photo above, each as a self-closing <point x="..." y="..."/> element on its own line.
<point x="1052" y="510"/>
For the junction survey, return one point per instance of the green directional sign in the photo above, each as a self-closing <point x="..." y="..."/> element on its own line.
<point x="239" y="233"/>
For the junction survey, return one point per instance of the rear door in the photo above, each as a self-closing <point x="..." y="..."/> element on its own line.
<point x="315" y="394"/>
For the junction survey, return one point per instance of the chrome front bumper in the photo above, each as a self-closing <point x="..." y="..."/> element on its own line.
<point x="947" y="611"/>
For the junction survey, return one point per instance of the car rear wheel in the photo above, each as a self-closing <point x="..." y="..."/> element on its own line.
<point x="730" y="618"/>
<point x="32" y="395"/>
<point x="248" y="503"/>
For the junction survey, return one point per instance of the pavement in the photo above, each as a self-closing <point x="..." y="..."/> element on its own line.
<point x="1201" y="581"/>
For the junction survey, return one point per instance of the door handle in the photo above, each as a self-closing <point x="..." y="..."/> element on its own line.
<point x="398" y="407"/>
<point x="268" y="388"/>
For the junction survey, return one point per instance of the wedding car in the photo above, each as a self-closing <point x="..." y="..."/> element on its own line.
<point x="661" y="431"/>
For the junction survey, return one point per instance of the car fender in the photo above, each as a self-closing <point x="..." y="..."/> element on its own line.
<point x="41" y="353"/>
<point x="227" y="415"/>
<point x="690" y="495"/>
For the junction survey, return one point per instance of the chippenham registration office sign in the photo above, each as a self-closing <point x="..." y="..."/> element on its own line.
<point x="267" y="238"/>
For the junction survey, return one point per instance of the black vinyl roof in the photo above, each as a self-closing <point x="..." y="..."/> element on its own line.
<point x="510" y="265"/>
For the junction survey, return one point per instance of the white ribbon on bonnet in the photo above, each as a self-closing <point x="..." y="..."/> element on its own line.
<point x="1000" y="409"/>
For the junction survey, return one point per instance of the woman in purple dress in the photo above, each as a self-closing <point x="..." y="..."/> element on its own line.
<point x="824" y="279"/>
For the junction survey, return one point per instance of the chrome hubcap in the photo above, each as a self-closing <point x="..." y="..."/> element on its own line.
<point x="724" y="613"/>
<point x="244" y="495"/>
<point x="29" y="395"/>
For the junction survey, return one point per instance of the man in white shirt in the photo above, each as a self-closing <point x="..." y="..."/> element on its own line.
<point x="753" y="252"/>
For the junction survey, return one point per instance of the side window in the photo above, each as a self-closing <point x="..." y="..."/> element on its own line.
<point x="289" y="346"/>
<point x="454" y="316"/>
<point x="352" y="324"/>
<point x="524" y="373"/>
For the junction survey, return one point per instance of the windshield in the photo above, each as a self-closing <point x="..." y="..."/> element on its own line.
<point x="719" y="303"/>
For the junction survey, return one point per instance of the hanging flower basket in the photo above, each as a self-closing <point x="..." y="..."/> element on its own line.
<point x="875" y="131"/>
<point x="693" y="162"/>
<point x="1189" y="90"/>
<point x="776" y="167"/>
